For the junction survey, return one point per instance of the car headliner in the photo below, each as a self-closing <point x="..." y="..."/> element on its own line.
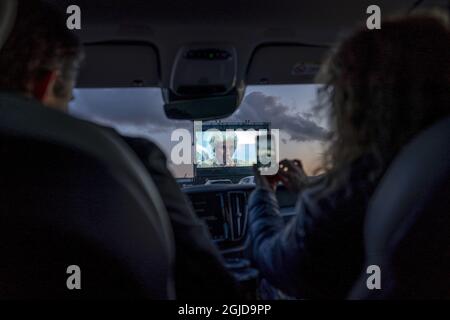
<point x="246" y="24"/>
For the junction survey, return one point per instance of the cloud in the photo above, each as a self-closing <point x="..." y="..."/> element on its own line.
<point x="140" y="112"/>
<point x="133" y="110"/>
<point x="300" y="126"/>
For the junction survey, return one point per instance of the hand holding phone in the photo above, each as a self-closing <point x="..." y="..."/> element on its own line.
<point x="292" y="175"/>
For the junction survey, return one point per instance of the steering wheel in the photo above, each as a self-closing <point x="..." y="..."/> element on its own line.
<point x="8" y="10"/>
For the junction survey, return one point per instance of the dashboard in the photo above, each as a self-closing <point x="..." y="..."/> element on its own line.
<point x="224" y="209"/>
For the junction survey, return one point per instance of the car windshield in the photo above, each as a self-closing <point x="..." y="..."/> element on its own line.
<point x="139" y="112"/>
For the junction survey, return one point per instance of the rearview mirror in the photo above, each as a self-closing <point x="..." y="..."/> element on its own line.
<point x="202" y="108"/>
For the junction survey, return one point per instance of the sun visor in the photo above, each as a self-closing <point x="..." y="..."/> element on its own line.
<point x="285" y="64"/>
<point x="118" y="65"/>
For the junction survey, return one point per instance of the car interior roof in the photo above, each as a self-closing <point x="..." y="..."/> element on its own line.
<point x="246" y="25"/>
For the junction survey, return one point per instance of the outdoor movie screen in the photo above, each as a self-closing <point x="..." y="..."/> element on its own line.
<point x="230" y="148"/>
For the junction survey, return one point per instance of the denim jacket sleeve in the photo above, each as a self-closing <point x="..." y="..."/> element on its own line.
<point x="278" y="249"/>
<point x="319" y="252"/>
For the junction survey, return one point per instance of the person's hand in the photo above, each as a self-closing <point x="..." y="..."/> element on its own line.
<point x="292" y="175"/>
<point x="262" y="181"/>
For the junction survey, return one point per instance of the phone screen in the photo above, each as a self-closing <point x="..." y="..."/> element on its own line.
<point x="267" y="153"/>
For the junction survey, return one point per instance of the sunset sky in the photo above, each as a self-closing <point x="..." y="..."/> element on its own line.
<point x="139" y="112"/>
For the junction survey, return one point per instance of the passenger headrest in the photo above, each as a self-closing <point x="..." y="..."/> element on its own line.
<point x="412" y="181"/>
<point x="406" y="229"/>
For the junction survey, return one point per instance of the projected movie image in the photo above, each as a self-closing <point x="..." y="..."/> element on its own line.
<point x="231" y="148"/>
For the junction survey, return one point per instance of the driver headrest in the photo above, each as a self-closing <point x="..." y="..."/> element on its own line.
<point x="72" y="192"/>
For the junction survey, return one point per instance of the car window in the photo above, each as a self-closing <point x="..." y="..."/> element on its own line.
<point x="139" y="112"/>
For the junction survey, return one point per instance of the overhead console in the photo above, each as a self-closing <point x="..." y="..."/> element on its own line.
<point x="285" y="64"/>
<point x="204" y="71"/>
<point x="203" y="83"/>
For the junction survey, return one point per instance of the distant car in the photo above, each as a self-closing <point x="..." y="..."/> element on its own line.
<point x="220" y="181"/>
<point x="247" y="180"/>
